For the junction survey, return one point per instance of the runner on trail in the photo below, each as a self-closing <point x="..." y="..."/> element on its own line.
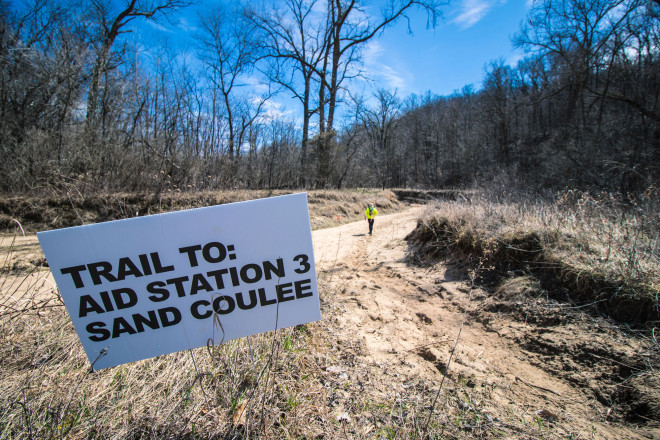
<point x="369" y="214"/>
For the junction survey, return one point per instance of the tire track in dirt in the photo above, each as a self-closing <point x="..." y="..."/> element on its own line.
<point x="394" y="327"/>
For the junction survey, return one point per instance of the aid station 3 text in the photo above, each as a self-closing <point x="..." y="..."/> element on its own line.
<point x="222" y="290"/>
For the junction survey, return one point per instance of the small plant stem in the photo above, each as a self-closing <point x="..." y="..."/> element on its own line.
<point x="201" y="385"/>
<point x="334" y="263"/>
<point x="451" y="355"/>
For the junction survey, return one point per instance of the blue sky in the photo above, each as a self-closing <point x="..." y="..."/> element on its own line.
<point x="470" y="34"/>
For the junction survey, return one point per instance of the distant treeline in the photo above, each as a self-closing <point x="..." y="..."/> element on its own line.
<point x="81" y="112"/>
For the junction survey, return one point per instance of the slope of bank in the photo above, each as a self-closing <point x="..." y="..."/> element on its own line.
<point x="327" y="207"/>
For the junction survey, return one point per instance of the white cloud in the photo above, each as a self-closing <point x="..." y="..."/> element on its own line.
<point x="159" y="27"/>
<point x="372" y="52"/>
<point x="272" y="111"/>
<point x="393" y="78"/>
<point x="388" y="74"/>
<point x="514" y="58"/>
<point x="472" y="11"/>
<point x="255" y="84"/>
<point x="186" y="26"/>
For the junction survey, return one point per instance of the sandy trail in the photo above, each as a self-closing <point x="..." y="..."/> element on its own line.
<point x="395" y="326"/>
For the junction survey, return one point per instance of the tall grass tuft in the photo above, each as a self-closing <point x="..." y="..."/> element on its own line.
<point x="598" y="248"/>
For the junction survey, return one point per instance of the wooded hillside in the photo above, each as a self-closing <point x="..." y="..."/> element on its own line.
<point x="81" y="111"/>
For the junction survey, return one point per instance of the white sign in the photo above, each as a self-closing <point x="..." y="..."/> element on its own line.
<point x="146" y="286"/>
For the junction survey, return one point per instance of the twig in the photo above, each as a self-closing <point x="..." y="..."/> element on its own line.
<point x="451" y="355"/>
<point x="26" y="412"/>
<point x="201" y="384"/>
<point x="334" y="263"/>
<point x="61" y="416"/>
<point x="539" y="387"/>
<point x="444" y="376"/>
<point x="269" y="364"/>
<point x="19" y="225"/>
<point x="249" y="406"/>
<point x="343" y="425"/>
<point x="566" y="306"/>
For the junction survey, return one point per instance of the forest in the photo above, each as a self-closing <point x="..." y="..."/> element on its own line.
<point x="83" y="112"/>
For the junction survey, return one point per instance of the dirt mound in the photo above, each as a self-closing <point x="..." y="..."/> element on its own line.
<point x="514" y="362"/>
<point x="610" y="362"/>
<point x="642" y="395"/>
<point x="572" y="323"/>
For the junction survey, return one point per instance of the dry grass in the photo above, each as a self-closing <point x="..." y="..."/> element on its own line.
<point x="327" y="208"/>
<point x="278" y="385"/>
<point x="584" y="248"/>
<point x="266" y="386"/>
<point x="238" y="388"/>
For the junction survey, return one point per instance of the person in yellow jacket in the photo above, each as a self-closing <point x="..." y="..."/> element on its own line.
<point x="369" y="214"/>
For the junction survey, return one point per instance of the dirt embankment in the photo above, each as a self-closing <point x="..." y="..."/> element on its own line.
<point x="327" y="208"/>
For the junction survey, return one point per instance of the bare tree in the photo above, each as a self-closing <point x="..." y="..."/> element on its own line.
<point x="294" y="44"/>
<point x="598" y="52"/>
<point x="228" y="48"/>
<point x="585" y="37"/>
<point x="498" y="94"/>
<point x="351" y="140"/>
<point x="107" y="24"/>
<point x="349" y="27"/>
<point x="380" y="123"/>
<point x="41" y="80"/>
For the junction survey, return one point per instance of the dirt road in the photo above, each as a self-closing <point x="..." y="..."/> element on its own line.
<point x="395" y="326"/>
